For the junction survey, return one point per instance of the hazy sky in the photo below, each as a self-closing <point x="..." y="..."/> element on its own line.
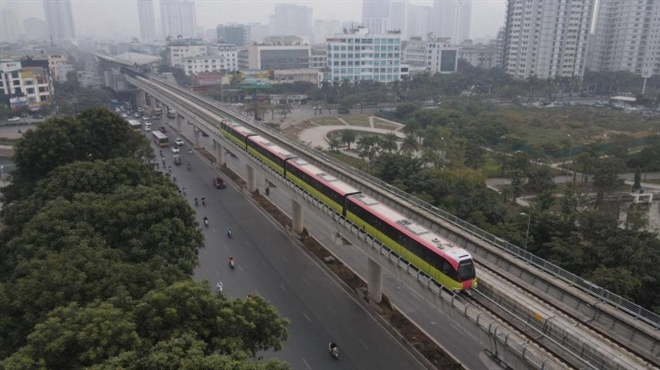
<point x="118" y="18"/>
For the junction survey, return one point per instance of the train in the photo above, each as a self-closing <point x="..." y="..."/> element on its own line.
<point x="451" y="266"/>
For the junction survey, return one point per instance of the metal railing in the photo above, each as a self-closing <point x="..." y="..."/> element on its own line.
<point x="552" y="269"/>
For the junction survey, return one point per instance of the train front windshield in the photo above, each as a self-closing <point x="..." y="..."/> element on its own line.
<point x="466" y="270"/>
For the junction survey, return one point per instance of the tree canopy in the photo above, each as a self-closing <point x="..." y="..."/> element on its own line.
<point x="97" y="257"/>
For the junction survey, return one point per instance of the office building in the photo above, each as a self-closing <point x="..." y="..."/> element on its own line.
<point x="452" y="19"/>
<point x="484" y="55"/>
<point x="547" y="38"/>
<point x="147" y="19"/>
<point x="442" y="57"/>
<point x="236" y="34"/>
<point x="318" y="58"/>
<point x="419" y="21"/>
<point x="291" y="20"/>
<point x="26" y="83"/>
<point x="360" y="55"/>
<point x="261" y="57"/>
<point x="59" y="20"/>
<point x="219" y="58"/>
<point x="258" y="31"/>
<point x="35" y="29"/>
<point x="627" y="37"/>
<point x="376" y="16"/>
<point x="178" y="18"/>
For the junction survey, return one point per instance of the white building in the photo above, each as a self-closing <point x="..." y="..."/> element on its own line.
<point x="414" y="54"/>
<point x="221" y="57"/>
<point x="442" y="57"/>
<point x="179" y="51"/>
<point x="63" y="69"/>
<point x="318" y="58"/>
<point x="452" y="19"/>
<point x="261" y="57"/>
<point x="547" y="38"/>
<point x="359" y="55"/>
<point x="627" y="37"/>
<point x="178" y="18"/>
<point x="89" y="79"/>
<point x="25" y="86"/>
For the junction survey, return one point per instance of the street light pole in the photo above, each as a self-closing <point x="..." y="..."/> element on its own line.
<point x="2" y="174"/>
<point x="570" y="150"/>
<point x="529" y="220"/>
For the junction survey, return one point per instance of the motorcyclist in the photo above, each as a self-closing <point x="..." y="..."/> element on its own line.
<point x="196" y="203"/>
<point x="206" y="221"/>
<point x="190" y="151"/>
<point x="229" y="231"/>
<point x="203" y="201"/>
<point x="231" y="262"/>
<point x="188" y="165"/>
<point x="334" y="350"/>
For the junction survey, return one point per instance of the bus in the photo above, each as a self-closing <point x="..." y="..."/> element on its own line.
<point x="135" y="125"/>
<point x="160" y="138"/>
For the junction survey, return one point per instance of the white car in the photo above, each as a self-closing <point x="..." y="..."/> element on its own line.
<point x="179" y="141"/>
<point x="175" y="149"/>
<point x="14" y="119"/>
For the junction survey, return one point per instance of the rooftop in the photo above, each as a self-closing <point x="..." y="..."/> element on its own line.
<point x="130" y="59"/>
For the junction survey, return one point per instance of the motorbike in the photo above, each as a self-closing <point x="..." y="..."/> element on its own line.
<point x="188" y="167"/>
<point x="196" y="203"/>
<point x="334" y="351"/>
<point x="206" y="221"/>
<point x="203" y="201"/>
<point x="229" y="232"/>
<point x="231" y="263"/>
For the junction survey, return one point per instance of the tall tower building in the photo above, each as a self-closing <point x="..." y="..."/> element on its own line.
<point x="178" y="18"/>
<point x="376" y="16"/>
<point x="419" y="21"/>
<point x="547" y="38"/>
<point x="59" y="19"/>
<point x="627" y="37"/>
<point x="452" y="19"/>
<point x="399" y="14"/>
<point x="9" y="27"/>
<point x="292" y="20"/>
<point x="147" y="20"/>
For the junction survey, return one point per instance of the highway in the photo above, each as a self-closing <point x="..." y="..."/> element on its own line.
<point x="269" y="263"/>
<point x="455" y="339"/>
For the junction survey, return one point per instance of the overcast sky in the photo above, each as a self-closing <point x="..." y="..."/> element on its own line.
<point x="118" y="18"/>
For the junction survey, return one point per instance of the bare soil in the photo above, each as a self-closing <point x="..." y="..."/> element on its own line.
<point x="409" y="332"/>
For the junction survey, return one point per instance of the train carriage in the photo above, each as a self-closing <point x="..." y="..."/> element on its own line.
<point x="323" y="186"/>
<point x="236" y="133"/>
<point x="274" y="156"/>
<point x="450" y="265"/>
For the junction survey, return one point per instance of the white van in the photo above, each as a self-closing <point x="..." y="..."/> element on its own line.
<point x="147" y="126"/>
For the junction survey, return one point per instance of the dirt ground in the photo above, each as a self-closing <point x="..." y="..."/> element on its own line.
<point x="424" y="345"/>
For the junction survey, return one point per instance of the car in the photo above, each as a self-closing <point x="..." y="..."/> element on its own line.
<point x="177" y="159"/>
<point x="137" y="115"/>
<point x="175" y="149"/>
<point x="179" y="141"/>
<point x="162" y="129"/>
<point x="343" y="111"/>
<point x="218" y="182"/>
<point x="14" y="119"/>
<point x="204" y="134"/>
<point x="37" y="116"/>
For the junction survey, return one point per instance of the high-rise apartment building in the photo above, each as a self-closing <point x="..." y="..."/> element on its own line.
<point x="9" y="30"/>
<point x="419" y="21"/>
<point x="59" y="19"/>
<point x="376" y="15"/>
<point x="627" y="37"/>
<point x="360" y="55"/>
<point x="291" y="20"/>
<point x="147" y="19"/>
<point x="258" y="31"/>
<point x="547" y="38"/>
<point x="35" y="29"/>
<point x="178" y="18"/>
<point x="399" y="17"/>
<point x="452" y="19"/>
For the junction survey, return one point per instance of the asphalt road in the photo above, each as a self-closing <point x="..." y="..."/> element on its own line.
<point x="269" y="263"/>
<point x="455" y="339"/>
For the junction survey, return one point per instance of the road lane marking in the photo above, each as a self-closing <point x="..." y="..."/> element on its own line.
<point x="307" y="317"/>
<point x="263" y="262"/>
<point x="364" y="344"/>
<point x="306" y="364"/>
<point x="305" y="281"/>
<point x="332" y="309"/>
<point x="285" y="259"/>
<point x="283" y="288"/>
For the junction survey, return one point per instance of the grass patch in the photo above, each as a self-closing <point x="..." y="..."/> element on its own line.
<point x="384" y="126"/>
<point x="349" y="160"/>
<point x="326" y="121"/>
<point x="7" y="141"/>
<point x="358" y="121"/>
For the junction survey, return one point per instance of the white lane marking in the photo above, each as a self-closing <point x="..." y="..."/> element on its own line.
<point x="364" y="344"/>
<point x="285" y="259"/>
<point x="283" y="288"/>
<point x="240" y="268"/>
<point x="306" y="364"/>
<point x="263" y="262"/>
<point x="307" y="317"/>
<point x="216" y="272"/>
<point x="332" y="309"/>
<point x="304" y="281"/>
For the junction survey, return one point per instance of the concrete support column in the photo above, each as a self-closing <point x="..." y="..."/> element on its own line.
<point x="375" y="283"/>
<point x="297" y="218"/>
<point x="141" y="98"/>
<point x="198" y="134"/>
<point x="251" y="183"/>
<point x="219" y="153"/>
<point x="178" y="124"/>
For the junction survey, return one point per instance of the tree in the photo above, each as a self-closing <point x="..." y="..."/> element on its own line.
<point x="333" y="143"/>
<point x="638" y="180"/>
<point x="474" y="156"/>
<point x="284" y="109"/>
<point x="517" y="183"/>
<point x="410" y="145"/>
<point x="606" y="174"/>
<point x="348" y="136"/>
<point x="389" y="142"/>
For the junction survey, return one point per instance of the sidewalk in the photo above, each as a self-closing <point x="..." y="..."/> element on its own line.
<point x="316" y="136"/>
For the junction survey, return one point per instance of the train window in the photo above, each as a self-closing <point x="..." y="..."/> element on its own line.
<point x="466" y="270"/>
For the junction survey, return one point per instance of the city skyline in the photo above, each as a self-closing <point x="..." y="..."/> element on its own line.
<point x="123" y="21"/>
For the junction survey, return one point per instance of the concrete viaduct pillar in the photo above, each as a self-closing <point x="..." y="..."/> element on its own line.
<point x="198" y="134"/>
<point x="219" y="153"/>
<point x="297" y="219"/>
<point x="251" y="182"/>
<point x="178" y="124"/>
<point x="375" y="283"/>
<point x="141" y="99"/>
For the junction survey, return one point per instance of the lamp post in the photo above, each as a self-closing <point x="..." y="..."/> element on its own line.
<point x="2" y="175"/>
<point x="570" y="150"/>
<point x="444" y="151"/>
<point x="529" y="220"/>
